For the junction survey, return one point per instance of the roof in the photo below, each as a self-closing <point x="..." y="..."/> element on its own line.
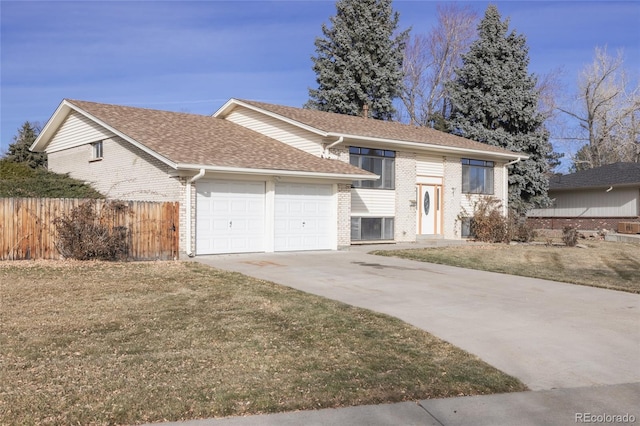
<point x="616" y="174"/>
<point x="190" y="141"/>
<point x="332" y="124"/>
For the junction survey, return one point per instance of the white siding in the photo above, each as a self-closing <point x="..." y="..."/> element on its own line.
<point x="428" y="165"/>
<point x="77" y="130"/>
<point x="373" y="202"/>
<point x="592" y="203"/>
<point x="276" y="129"/>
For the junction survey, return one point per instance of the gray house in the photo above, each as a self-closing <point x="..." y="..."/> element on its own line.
<point x="593" y="199"/>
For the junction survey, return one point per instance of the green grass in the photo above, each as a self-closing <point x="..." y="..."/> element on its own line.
<point x="602" y="264"/>
<point x="127" y="343"/>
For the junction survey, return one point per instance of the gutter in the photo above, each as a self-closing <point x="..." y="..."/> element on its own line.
<point x="326" y="153"/>
<point x="372" y="142"/>
<point x="190" y="252"/>
<point x="273" y="172"/>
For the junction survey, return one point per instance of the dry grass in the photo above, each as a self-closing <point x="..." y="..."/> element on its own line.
<point x="599" y="264"/>
<point x="126" y="343"/>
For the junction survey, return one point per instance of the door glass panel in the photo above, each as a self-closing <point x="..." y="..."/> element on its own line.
<point x="426" y="203"/>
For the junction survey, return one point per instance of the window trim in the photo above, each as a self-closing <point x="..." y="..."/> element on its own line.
<point x="387" y="167"/>
<point x="484" y="165"/>
<point x="97" y="151"/>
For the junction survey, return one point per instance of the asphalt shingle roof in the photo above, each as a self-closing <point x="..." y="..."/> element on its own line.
<point x="605" y="176"/>
<point x="209" y="141"/>
<point x="357" y="126"/>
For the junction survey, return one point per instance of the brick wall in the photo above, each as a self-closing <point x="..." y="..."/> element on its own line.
<point x="125" y="172"/>
<point x="405" y="219"/>
<point x="344" y="215"/>
<point x="183" y="217"/>
<point x="582" y="223"/>
<point x="340" y="152"/>
<point x="452" y="195"/>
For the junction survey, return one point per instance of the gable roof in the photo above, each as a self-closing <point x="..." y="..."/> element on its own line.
<point x="191" y="141"/>
<point x="616" y="174"/>
<point x="352" y="127"/>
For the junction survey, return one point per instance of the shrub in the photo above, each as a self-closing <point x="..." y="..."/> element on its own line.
<point x="19" y="180"/>
<point x="570" y="236"/>
<point x="86" y="234"/>
<point x="488" y="224"/>
<point x="520" y="230"/>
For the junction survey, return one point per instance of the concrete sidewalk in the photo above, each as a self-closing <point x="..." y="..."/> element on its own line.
<point x="556" y="407"/>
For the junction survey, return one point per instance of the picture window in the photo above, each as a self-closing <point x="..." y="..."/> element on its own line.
<point x="477" y="176"/>
<point x="378" y="161"/>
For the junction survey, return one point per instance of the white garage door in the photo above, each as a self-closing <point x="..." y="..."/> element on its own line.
<point x="230" y="217"/>
<point x="303" y="217"/>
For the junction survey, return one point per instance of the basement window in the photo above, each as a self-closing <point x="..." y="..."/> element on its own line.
<point x="371" y="228"/>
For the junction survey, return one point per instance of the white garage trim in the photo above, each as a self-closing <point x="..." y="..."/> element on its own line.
<point x="304" y="217"/>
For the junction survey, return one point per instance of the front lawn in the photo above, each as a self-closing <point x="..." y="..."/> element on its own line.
<point x="127" y="343"/>
<point x="599" y="263"/>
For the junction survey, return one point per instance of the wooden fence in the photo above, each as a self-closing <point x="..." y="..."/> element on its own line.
<point x="27" y="229"/>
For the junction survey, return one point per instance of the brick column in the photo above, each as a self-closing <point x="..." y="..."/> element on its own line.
<point x="405" y="219"/>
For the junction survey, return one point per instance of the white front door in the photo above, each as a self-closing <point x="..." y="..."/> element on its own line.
<point x="230" y="216"/>
<point x="303" y="217"/>
<point x="429" y="209"/>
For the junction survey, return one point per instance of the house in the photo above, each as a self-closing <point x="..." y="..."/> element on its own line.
<point x="593" y="199"/>
<point x="260" y="177"/>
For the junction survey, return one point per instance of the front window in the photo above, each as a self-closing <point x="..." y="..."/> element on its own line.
<point x="477" y="176"/>
<point x="378" y="161"/>
<point x="371" y="228"/>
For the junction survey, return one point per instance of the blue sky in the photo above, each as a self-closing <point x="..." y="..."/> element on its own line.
<point x="194" y="56"/>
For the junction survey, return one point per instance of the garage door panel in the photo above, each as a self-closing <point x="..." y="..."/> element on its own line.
<point x="303" y="217"/>
<point x="230" y="217"/>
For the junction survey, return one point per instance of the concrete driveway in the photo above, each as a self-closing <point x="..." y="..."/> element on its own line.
<point x="547" y="334"/>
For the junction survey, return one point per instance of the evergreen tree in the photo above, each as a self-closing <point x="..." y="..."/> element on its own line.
<point x="18" y="151"/>
<point x="495" y="101"/>
<point x="359" y="60"/>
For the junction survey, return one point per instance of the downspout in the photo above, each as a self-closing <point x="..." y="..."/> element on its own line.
<point x="326" y="153"/>
<point x="505" y="189"/>
<point x="190" y="252"/>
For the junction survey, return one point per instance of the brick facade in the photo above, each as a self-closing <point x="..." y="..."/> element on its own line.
<point x="184" y="247"/>
<point x="452" y="195"/>
<point x="582" y="223"/>
<point x="344" y="215"/>
<point x="125" y="172"/>
<point x="406" y="209"/>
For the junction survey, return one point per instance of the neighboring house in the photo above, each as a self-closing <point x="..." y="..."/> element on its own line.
<point x="260" y="177"/>
<point x="593" y="199"/>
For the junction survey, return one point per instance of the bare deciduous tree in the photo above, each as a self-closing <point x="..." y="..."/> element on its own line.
<point x="607" y="111"/>
<point x="430" y="61"/>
